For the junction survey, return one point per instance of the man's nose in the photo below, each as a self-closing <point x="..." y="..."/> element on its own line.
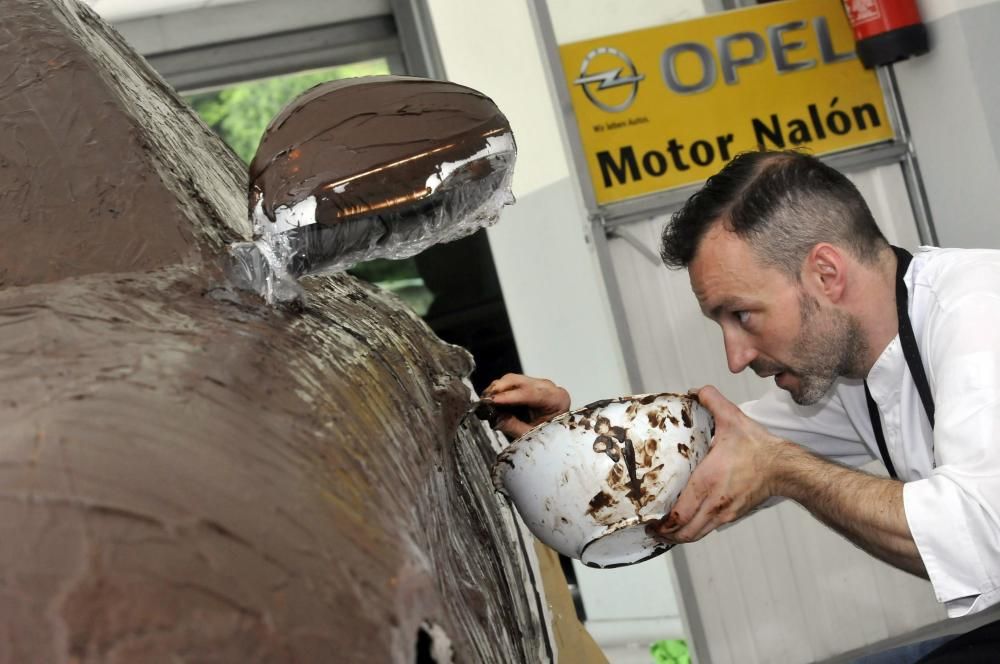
<point x="739" y="353"/>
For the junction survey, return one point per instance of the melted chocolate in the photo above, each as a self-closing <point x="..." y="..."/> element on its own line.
<point x="686" y="414"/>
<point x="635" y="491"/>
<point x="84" y="183"/>
<point x="599" y="502"/>
<point x="369" y="145"/>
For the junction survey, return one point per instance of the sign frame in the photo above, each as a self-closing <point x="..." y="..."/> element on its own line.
<point x="620" y="213"/>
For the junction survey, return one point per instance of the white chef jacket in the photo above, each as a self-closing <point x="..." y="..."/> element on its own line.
<point x="951" y="494"/>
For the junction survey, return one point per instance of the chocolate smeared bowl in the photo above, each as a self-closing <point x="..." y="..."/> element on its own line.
<point x="372" y="167"/>
<point x="589" y="481"/>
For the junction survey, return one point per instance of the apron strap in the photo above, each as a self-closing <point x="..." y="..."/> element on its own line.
<point x="908" y="342"/>
<point x="879" y="435"/>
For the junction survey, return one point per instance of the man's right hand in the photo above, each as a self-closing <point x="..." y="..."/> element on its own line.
<point x="543" y="398"/>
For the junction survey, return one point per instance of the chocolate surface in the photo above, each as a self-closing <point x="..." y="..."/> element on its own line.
<point x="185" y="472"/>
<point x="368" y="145"/>
<point x="85" y="185"/>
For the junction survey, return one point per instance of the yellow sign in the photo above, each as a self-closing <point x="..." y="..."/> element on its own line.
<point x="668" y="106"/>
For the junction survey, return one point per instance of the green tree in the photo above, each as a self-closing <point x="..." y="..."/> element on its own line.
<point x="240" y="113"/>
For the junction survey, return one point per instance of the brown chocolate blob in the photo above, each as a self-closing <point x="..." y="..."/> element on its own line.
<point x="366" y="145"/>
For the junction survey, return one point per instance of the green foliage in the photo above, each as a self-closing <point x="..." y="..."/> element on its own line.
<point x="670" y="651"/>
<point x="382" y="269"/>
<point x="240" y="113"/>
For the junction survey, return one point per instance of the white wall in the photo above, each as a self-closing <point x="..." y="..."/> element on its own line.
<point x="932" y="10"/>
<point x="555" y="296"/>
<point x="577" y="20"/>
<point x="951" y="96"/>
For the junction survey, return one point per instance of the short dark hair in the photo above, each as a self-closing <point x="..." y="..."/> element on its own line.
<point x="782" y="203"/>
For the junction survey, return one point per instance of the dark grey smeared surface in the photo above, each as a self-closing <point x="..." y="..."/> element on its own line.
<point x="185" y="473"/>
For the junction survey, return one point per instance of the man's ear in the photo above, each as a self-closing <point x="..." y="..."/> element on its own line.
<point x="825" y="270"/>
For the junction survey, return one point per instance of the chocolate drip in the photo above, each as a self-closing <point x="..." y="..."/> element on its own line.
<point x="636" y="488"/>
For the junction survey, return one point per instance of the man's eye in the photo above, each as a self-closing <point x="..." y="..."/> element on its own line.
<point x="743" y="316"/>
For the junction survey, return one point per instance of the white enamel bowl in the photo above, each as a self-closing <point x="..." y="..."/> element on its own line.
<point x="589" y="481"/>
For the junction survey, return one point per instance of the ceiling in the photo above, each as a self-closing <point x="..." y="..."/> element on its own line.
<point x="124" y="10"/>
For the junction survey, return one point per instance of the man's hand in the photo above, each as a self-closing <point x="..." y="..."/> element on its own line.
<point x="542" y="397"/>
<point x="746" y="464"/>
<point x="730" y="481"/>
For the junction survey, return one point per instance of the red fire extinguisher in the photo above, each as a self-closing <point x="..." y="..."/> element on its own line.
<point x="886" y="31"/>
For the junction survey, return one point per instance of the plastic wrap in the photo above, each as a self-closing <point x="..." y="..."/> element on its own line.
<point x="407" y="164"/>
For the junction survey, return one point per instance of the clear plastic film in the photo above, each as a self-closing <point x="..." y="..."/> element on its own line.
<point x="461" y="197"/>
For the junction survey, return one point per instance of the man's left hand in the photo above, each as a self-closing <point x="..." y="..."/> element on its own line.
<point x="732" y="479"/>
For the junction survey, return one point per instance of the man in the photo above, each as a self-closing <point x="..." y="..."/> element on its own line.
<point x="783" y="253"/>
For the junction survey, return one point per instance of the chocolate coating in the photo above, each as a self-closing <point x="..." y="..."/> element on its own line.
<point x="186" y="473"/>
<point x="84" y="185"/>
<point x="368" y="145"/>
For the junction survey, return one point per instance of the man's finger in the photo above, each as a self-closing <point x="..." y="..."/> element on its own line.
<point x="712" y="399"/>
<point x="537" y="406"/>
<point x="693" y="392"/>
<point x="700" y="524"/>
<point x="651" y="531"/>
<point x="545" y="398"/>
<point x="662" y="528"/>
<point x="513" y="395"/>
<point x="684" y="509"/>
<point x="511" y="426"/>
<point x="504" y="383"/>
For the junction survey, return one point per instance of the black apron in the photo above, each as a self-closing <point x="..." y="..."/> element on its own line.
<point x="912" y="355"/>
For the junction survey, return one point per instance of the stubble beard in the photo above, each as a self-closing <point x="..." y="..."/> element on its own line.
<point x="830" y="345"/>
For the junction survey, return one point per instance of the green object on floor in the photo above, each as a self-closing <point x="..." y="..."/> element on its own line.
<point x="670" y="651"/>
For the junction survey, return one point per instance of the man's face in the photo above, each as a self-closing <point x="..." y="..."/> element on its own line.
<point x="769" y="321"/>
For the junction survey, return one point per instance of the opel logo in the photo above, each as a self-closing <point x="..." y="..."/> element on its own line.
<point x="608" y="78"/>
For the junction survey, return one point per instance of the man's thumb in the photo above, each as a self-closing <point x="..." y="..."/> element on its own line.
<point x="712" y="399"/>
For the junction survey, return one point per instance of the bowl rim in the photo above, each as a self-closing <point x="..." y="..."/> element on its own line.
<point x="601" y="403"/>
<point x="622" y="525"/>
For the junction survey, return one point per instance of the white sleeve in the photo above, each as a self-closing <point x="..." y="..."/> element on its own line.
<point x="954" y="513"/>
<point x="823" y="428"/>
